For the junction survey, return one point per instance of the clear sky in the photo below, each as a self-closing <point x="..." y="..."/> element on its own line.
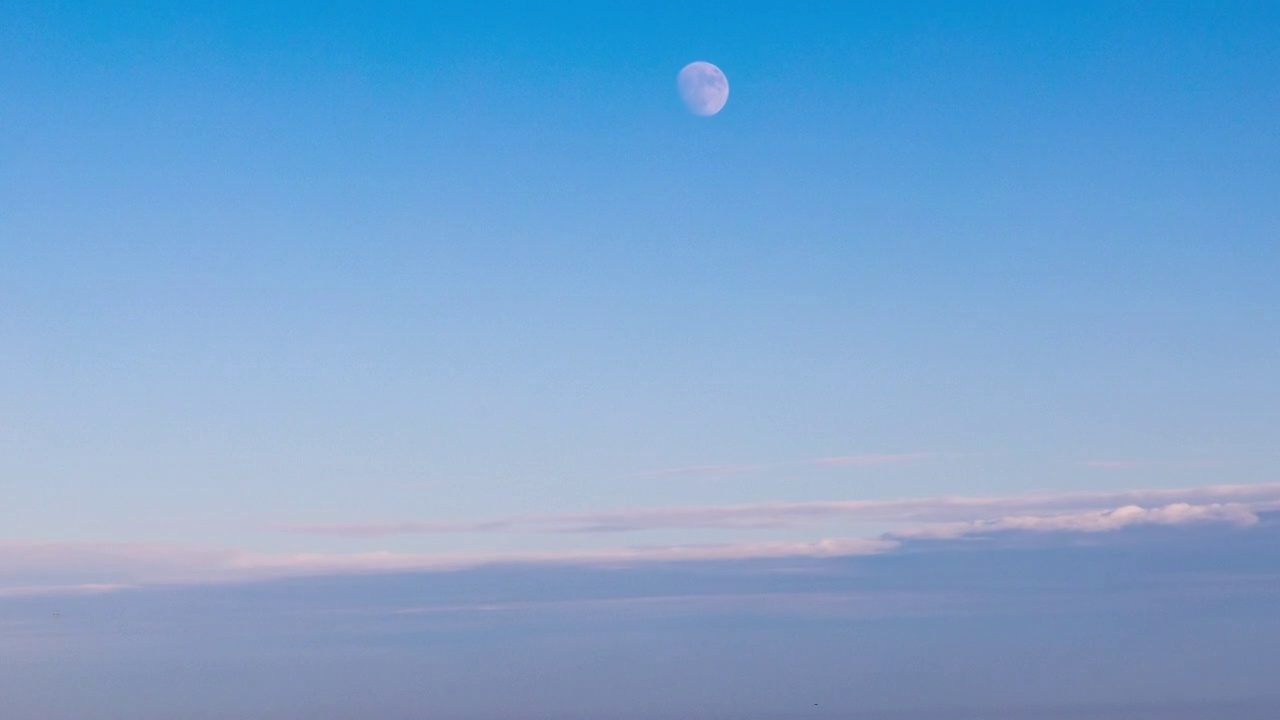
<point x="308" y="289"/>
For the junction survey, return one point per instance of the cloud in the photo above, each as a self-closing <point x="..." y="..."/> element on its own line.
<point x="511" y="524"/>
<point x="76" y="568"/>
<point x="308" y="564"/>
<point x="53" y="567"/>
<point x="791" y="515"/>
<point x="87" y="564"/>
<point x="60" y="568"/>
<point x="1093" y="521"/>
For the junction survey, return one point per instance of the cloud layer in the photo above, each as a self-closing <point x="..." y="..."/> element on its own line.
<point x="63" y="567"/>
<point x="787" y="515"/>
<point x="76" y="567"/>
<point x="1092" y="521"/>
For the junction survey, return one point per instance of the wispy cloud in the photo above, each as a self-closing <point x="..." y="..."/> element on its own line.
<point x="78" y="568"/>
<point x="1092" y="521"/>
<point x="36" y="568"/>
<point x="790" y="515"/>
<point x="91" y="568"/>
<point x="318" y="563"/>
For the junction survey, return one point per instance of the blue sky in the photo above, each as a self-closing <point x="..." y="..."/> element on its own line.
<point x="290" y="291"/>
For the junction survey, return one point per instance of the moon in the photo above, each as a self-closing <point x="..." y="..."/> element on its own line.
<point x="703" y="87"/>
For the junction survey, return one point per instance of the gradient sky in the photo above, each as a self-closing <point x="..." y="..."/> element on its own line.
<point x="296" y="290"/>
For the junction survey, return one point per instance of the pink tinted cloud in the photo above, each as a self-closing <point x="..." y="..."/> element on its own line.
<point x="79" y="568"/>
<point x="802" y="514"/>
<point x="26" y="568"/>
<point x="36" y="568"/>
<point x="1092" y="521"/>
<point x="375" y="530"/>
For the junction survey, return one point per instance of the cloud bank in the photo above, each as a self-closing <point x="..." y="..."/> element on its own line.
<point x="28" y="568"/>
<point x="1093" y="521"/>
<point x="789" y="515"/>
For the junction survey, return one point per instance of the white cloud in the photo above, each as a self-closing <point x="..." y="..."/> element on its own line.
<point x="785" y="515"/>
<point x="63" y="567"/>
<point x="1092" y="521"/>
